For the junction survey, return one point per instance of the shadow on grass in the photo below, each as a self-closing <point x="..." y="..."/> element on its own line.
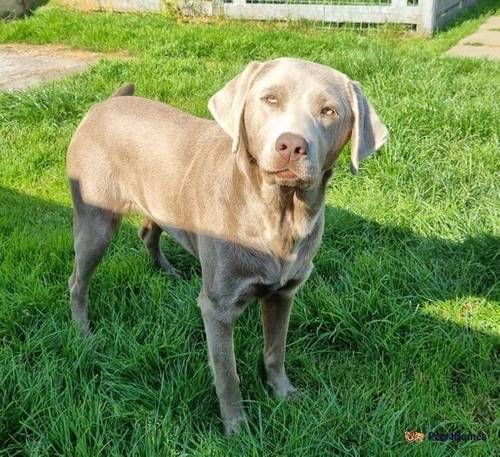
<point x="432" y="268"/>
<point x="35" y="4"/>
<point x="17" y="10"/>
<point x="345" y="232"/>
<point x="480" y="9"/>
<point x="36" y="237"/>
<point x="471" y="267"/>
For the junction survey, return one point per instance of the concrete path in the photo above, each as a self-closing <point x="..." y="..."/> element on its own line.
<point x="22" y="66"/>
<point x="484" y="42"/>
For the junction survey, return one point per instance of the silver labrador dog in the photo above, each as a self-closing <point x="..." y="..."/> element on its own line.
<point x="244" y="194"/>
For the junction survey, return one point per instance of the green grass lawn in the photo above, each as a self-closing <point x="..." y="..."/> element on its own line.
<point x="397" y="329"/>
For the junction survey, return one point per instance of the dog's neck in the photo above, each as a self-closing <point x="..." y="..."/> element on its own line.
<point x="286" y="215"/>
<point x="289" y="217"/>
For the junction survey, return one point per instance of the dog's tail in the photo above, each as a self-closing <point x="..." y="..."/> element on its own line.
<point x="128" y="89"/>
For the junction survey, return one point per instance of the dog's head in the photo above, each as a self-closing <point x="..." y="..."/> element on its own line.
<point x="293" y="117"/>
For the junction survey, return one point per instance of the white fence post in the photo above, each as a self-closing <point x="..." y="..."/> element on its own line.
<point x="427" y="16"/>
<point x="399" y="4"/>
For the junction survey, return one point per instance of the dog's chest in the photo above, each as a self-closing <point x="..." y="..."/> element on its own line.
<point x="285" y="237"/>
<point x="273" y="272"/>
<point x="274" y="275"/>
<point x="293" y="251"/>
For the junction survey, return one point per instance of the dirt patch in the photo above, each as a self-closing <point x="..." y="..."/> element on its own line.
<point x="22" y="66"/>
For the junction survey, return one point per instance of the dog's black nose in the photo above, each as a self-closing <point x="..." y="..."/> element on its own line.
<point x="291" y="146"/>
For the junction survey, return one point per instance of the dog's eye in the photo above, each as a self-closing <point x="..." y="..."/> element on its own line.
<point x="271" y="99"/>
<point x="328" y="112"/>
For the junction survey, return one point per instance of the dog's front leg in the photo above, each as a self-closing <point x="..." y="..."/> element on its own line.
<point x="275" y="311"/>
<point x="219" y="325"/>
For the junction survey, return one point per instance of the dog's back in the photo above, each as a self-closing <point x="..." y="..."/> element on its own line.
<point x="131" y="153"/>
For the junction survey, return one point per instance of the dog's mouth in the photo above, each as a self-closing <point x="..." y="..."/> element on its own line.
<point x="298" y="175"/>
<point x="289" y="178"/>
<point x="285" y="173"/>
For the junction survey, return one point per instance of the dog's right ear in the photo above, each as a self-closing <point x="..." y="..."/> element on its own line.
<point x="227" y="105"/>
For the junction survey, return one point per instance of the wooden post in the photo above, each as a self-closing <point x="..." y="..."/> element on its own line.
<point x="427" y="22"/>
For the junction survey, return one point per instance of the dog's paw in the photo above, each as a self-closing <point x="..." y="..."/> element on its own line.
<point x="283" y="389"/>
<point x="82" y="323"/>
<point x="293" y="394"/>
<point x="234" y="425"/>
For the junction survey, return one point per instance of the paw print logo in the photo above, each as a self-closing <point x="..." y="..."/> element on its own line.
<point x="414" y="437"/>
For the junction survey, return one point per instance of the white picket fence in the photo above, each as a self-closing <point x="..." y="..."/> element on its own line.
<point x="426" y="15"/>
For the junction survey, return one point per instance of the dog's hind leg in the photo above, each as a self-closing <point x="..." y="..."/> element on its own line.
<point x="150" y="233"/>
<point x="93" y="230"/>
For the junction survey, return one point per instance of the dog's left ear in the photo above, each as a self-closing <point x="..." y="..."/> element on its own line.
<point x="227" y="105"/>
<point x="368" y="132"/>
